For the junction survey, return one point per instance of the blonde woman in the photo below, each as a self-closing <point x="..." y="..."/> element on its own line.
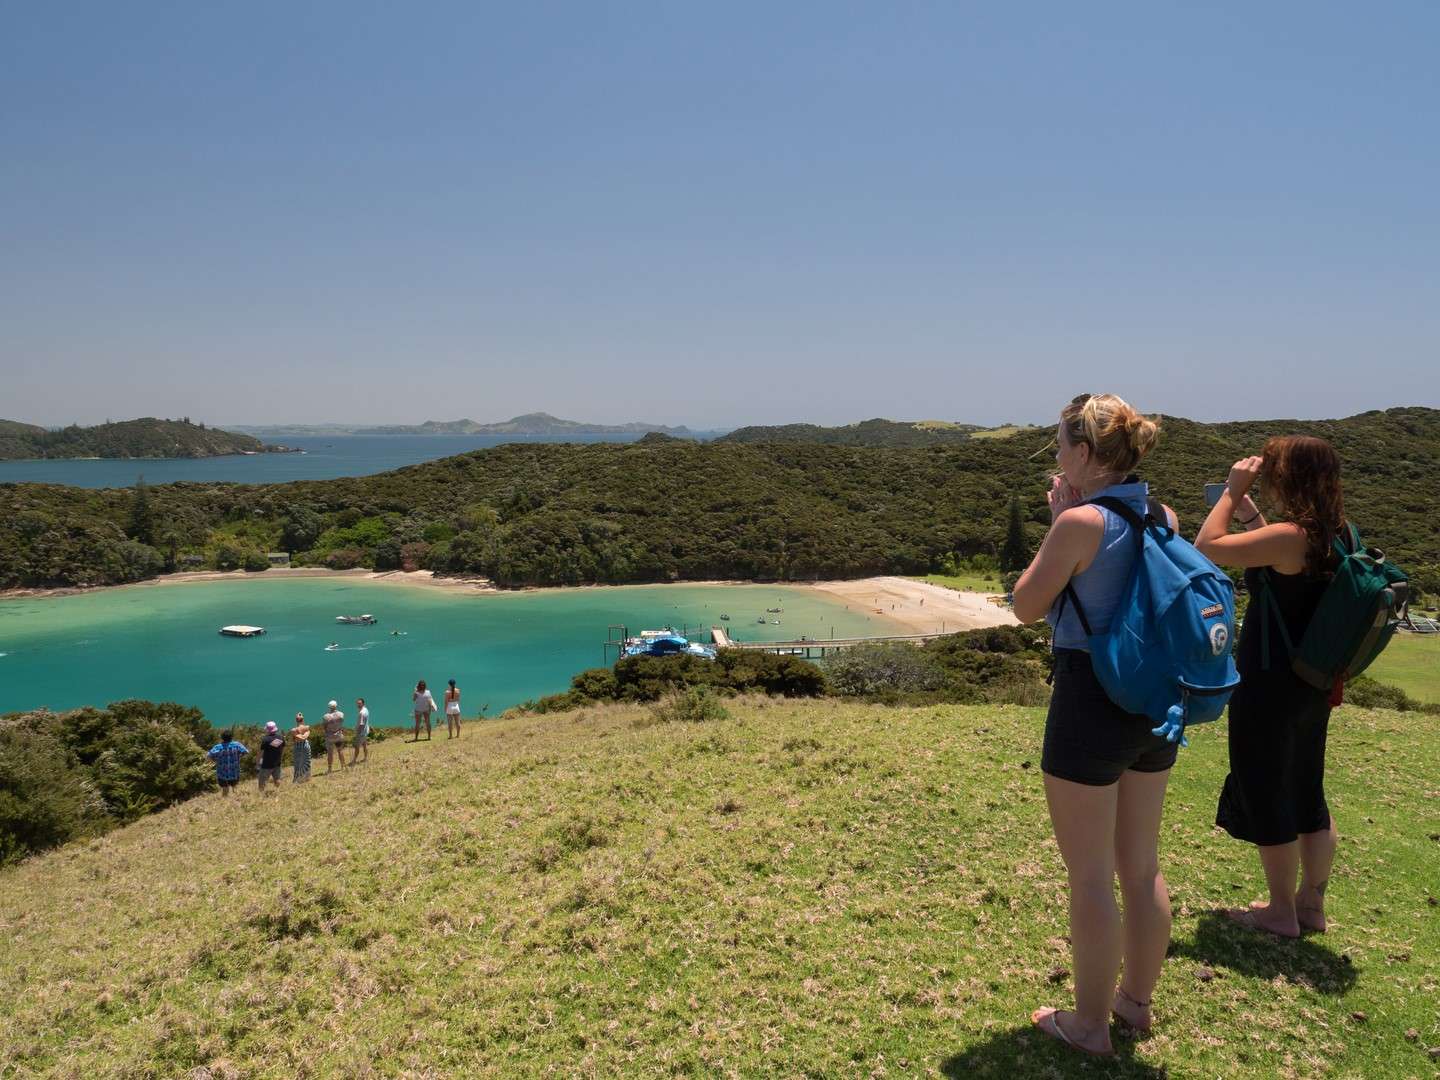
<point x="1104" y="771"/>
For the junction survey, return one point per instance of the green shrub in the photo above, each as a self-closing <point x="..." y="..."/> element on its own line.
<point x="149" y="766"/>
<point x="692" y="705"/>
<point x="46" y="798"/>
<point x="1366" y="693"/>
<point x="885" y="667"/>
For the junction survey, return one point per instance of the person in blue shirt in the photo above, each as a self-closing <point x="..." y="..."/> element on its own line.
<point x="1105" y="771"/>
<point x="227" y="754"/>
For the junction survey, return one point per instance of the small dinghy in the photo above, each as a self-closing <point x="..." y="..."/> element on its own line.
<point x="357" y="620"/>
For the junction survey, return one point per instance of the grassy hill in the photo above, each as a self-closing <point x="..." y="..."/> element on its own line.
<point x="146" y="437"/>
<point x="15" y="427"/>
<point x="804" y="889"/>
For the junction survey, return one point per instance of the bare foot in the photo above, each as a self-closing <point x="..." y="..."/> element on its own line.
<point x="1258" y="916"/>
<point x="1310" y="910"/>
<point x="1071" y="1032"/>
<point x="1132" y="1013"/>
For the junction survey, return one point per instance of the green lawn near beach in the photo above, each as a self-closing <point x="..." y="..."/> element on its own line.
<point x="964" y="582"/>
<point x="803" y="889"/>
<point x="1411" y="662"/>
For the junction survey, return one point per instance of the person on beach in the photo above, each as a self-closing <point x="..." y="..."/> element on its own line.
<point x="226" y="755"/>
<point x="422" y="703"/>
<point x="362" y="731"/>
<point x="334" y="737"/>
<point x="452" y="711"/>
<point x="272" y="756"/>
<point x="1104" y="771"/>
<point x="1274" y="796"/>
<point x="300" y="749"/>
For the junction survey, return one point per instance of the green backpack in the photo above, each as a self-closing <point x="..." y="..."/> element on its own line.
<point x="1354" y="621"/>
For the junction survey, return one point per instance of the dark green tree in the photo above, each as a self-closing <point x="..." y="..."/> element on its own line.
<point x="1015" y="554"/>
<point x="302" y="528"/>
<point x="142" y="522"/>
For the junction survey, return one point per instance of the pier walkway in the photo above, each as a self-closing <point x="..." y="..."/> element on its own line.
<point x="808" y="647"/>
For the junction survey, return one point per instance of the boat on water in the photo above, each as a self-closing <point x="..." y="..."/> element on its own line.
<point x="724" y="618"/>
<point x="357" y="620"/>
<point x="761" y="620"/>
<point x="774" y="610"/>
<point x="665" y="642"/>
<point x="242" y="631"/>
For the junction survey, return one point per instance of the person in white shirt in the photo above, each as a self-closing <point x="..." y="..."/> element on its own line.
<point x="362" y="731"/>
<point x="423" y="704"/>
<point x="452" y="711"/>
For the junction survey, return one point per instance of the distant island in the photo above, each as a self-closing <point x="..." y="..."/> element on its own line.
<point x="536" y="423"/>
<point x="877" y="432"/>
<point x="146" y="437"/>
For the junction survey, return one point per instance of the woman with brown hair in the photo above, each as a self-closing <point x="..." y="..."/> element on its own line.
<point x="1274" y="796"/>
<point x="1105" y="770"/>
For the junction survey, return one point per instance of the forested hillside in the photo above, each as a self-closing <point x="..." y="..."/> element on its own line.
<point x="666" y="509"/>
<point x="143" y="438"/>
<point x="877" y="432"/>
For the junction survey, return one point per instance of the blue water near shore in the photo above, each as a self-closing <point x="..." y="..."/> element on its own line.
<point x="325" y="457"/>
<point x="161" y="642"/>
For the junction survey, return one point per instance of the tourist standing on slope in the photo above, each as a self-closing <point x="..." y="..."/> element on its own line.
<point x="272" y="756"/>
<point x="452" y="711"/>
<point x="226" y="754"/>
<point x="1274" y="796"/>
<point x="300" y="749"/>
<point x="422" y="702"/>
<point x="362" y="731"/>
<point x="334" y="737"/>
<point x="1104" y="771"/>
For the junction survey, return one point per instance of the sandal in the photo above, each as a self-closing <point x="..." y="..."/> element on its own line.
<point x="1056" y="1032"/>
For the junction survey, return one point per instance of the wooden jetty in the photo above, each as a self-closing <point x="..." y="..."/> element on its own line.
<point x="810" y="648"/>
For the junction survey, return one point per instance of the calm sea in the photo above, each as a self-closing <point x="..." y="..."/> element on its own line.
<point x="162" y="643"/>
<point x="325" y="457"/>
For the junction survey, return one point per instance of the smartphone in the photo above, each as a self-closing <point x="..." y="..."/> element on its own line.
<point x="1213" y="493"/>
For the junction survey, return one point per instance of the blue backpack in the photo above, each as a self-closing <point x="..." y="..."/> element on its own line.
<point x="1167" y="654"/>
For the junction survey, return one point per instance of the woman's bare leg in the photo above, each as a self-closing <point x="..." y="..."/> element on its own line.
<point x="1281" y="863"/>
<point x="1083" y="817"/>
<point x="1317" y="854"/>
<point x="1142" y="887"/>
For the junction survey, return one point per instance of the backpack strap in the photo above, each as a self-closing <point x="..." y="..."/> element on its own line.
<point x="1271" y="613"/>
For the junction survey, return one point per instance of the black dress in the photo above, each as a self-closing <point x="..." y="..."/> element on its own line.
<point x="1277" y="726"/>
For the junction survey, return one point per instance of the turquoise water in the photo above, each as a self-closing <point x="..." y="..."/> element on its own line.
<point x="162" y="642"/>
<point x="325" y="458"/>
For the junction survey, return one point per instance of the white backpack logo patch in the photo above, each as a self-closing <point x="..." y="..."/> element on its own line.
<point x="1219" y="638"/>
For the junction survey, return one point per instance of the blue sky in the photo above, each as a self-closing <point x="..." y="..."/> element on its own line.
<point x="716" y="214"/>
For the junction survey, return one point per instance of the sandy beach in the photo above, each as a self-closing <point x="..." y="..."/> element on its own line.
<point x="911" y="607"/>
<point x="422" y="578"/>
<point x="919" y="607"/>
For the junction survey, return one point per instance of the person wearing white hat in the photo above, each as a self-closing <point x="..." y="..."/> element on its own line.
<point x="272" y="753"/>
<point x="334" y="736"/>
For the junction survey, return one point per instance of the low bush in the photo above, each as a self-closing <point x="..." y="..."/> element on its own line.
<point x="68" y="775"/>
<point x="1366" y="693"/>
<point x="692" y="705"/>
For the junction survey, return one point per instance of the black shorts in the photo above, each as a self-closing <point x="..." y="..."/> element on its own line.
<point x="227" y="783"/>
<point x="1088" y="738"/>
